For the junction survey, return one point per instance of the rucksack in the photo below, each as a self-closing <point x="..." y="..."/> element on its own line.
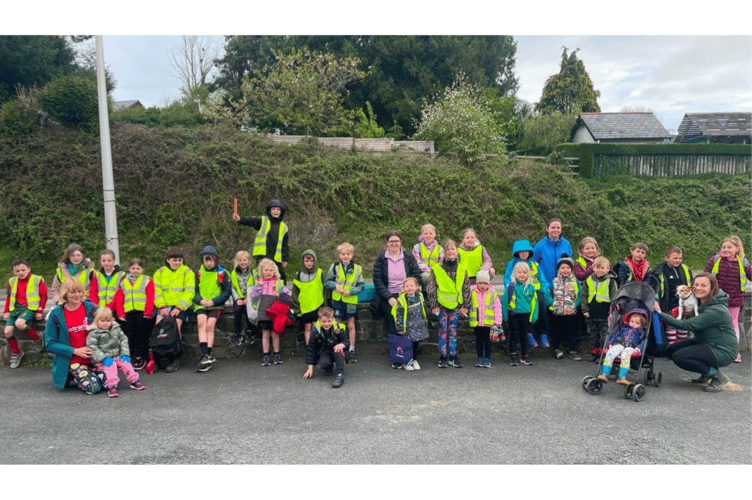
<point x="165" y="342"/>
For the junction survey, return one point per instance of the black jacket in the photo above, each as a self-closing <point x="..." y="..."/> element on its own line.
<point x="323" y="340"/>
<point x="381" y="279"/>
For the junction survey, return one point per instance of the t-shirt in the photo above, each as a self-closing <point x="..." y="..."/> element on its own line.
<point x="76" y="321"/>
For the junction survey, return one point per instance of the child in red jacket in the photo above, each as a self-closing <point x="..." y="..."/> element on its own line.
<point x="27" y="296"/>
<point x="134" y="306"/>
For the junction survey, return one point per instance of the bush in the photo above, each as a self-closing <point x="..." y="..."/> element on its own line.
<point x="71" y="100"/>
<point x="16" y="118"/>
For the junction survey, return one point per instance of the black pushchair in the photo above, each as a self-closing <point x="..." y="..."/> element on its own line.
<point x="633" y="295"/>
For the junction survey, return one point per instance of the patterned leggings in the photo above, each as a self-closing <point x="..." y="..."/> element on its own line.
<point x="625" y="353"/>
<point x="448" y="320"/>
<point x="111" y="372"/>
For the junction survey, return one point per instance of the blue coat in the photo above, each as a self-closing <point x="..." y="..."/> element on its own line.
<point x="547" y="253"/>
<point x="56" y="341"/>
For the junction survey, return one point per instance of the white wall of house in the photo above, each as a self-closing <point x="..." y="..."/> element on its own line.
<point x="582" y="134"/>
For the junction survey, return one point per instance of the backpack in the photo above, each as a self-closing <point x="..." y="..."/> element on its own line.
<point x="165" y="342"/>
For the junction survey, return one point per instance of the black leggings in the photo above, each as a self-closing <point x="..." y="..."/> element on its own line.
<point x="692" y="356"/>
<point x="483" y="341"/>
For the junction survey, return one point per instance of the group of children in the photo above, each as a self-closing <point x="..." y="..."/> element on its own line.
<point x="454" y="282"/>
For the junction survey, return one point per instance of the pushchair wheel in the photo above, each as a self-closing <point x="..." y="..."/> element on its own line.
<point x="594" y="386"/>
<point x="585" y="382"/>
<point x="657" y="379"/>
<point x="638" y="393"/>
<point x="630" y="391"/>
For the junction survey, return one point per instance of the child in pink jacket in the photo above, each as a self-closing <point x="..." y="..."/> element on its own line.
<point x="485" y="313"/>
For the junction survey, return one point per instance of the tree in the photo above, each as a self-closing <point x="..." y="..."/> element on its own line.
<point x="460" y="122"/>
<point x="72" y="100"/>
<point x="193" y="59"/>
<point x="569" y="91"/>
<point x="32" y="60"/>
<point x="243" y="56"/>
<point x="542" y="133"/>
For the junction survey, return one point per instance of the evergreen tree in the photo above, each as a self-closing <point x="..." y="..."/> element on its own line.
<point x="570" y="90"/>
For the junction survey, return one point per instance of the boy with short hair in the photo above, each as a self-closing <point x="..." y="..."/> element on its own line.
<point x="213" y="289"/>
<point x="106" y="281"/>
<point x="308" y="292"/>
<point x="27" y="296"/>
<point x="668" y="275"/>
<point x="272" y="235"/>
<point x="327" y="346"/>
<point x="634" y="267"/>
<point x="598" y="291"/>
<point x="565" y="297"/>
<point x="345" y="279"/>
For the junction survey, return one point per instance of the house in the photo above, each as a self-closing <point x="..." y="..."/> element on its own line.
<point x="619" y="128"/>
<point x="118" y="105"/>
<point x="732" y="128"/>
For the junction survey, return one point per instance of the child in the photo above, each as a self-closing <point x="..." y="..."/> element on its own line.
<point x="448" y="298"/>
<point x="484" y="314"/>
<point x="105" y="282"/>
<point x="473" y="256"/>
<point x="732" y="271"/>
<point x="240" y="277"/>
<point x="73" y="264"/>
<point x="213" y="289"/>
<point x="519" y="307"/>
<point x="110" y="352"/>
<point x="427" y="252"/>
<point x="308" y="292"/>
<point x="134" y="305"/>
<point x="667" y="276"/>
<point x="623" y="343"/>
<point x="634" y="267"/>
<point x="565" y="295"/>
<point x="271" y="238"/>
<point x="522" y="251"/>
<point x="596" y="296"/>
<point x="345" y="279"/>
<point x="25" y="301"/>
<point x="587" y="251"/>
<point x="174" y="289"/>
<point x="410" y="319"/>
<point x="327" y="346"/>
<point x="268" y="288"/>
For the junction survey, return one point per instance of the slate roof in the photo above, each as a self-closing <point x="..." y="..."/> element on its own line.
<point x="623" y="126"/>
<point x="715" y="124"/>
<point x="118" y="105"/>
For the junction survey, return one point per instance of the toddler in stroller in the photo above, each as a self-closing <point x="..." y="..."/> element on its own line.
<point x="629" y="339"/>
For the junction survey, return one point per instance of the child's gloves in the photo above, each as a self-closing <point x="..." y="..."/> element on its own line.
<point x="108" y="361"/>
<point x="125" y="358"/>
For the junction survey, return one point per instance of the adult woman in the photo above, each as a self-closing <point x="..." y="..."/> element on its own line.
<point x="389" y="271"/>
<point x="714" y="344"/>
<point x="65" y="337"/>
<point x="550" y="248"/>
<point x="73" y="264"/>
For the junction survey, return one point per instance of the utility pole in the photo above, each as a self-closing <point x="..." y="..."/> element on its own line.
<point x="108" y="181"/>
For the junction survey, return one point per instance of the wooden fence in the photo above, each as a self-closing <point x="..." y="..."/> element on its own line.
<point x="667" y="165"/>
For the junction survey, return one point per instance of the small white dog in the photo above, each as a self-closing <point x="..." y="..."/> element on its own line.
<point x="687" y="300"/>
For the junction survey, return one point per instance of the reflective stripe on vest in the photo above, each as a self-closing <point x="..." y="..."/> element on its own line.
<point x="472" y="260"/>
<point x="106" y="289"/>
<point x="311" y="293"/>
<point x="448" y="292"/>
<point x="600" y="293"/>
<point x="169" y="287"/>
<point x="259" y="246"/>
<point x="431" y="257"/>
<point x="663" y="280"/>
<point x="487" y="312"/>
<point x="742" y="276"/>
<point x="347" y="283"/>
<point x="84" y="277"/>
<point x="32" y="293"/>
<point x="134" y="294"/>
<point x="513" y="302"/>
<point x="402" y="300"/>
<point x="236" y="282"/>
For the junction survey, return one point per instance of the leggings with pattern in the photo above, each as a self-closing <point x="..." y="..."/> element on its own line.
<point x="448" y="320"/>
<point x="617" y="350"/>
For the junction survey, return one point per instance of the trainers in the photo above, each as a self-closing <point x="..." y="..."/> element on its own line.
<point x="396" y="366"/>
<point x="137" y="386"/>
<point x="266" y="361"/>
<point x="339" y="379"/>
<point x="204" y="364"/>
<point x="573" y="355"/>
<point x="443" y="362"/>
<point x="173" y="367"/>
<point x="416" y="366"/>
<point x="277" y="359"/>
<point x="455" y="361"/>
<point x="408" y="366"/>
<point x="594" y="357"/>
<point x="239" y="340"/>
<point x="138" y="364"/>
<point x="544" y="341"/>
<point x="558" y="354"/>
<point x="603" y="378"/>
<point x="479" y="363"/>
<point x="487" y="363"/>
<point x="15" y="359"/>
<point x="717" y="381"/>
<point x="525" y="361"/>
<point x="112" y="392"/>
<point x="622" y="381"/>
<point x="351" y="356"/>
<point x="513" y="359"/>
<point x="531" y="340"/>
<point x="738" y="358"/>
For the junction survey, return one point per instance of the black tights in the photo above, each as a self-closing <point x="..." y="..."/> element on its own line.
<point x="483" y="341"/>
<point x="692" y="356"/>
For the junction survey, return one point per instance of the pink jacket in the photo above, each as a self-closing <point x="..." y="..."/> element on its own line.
<point x="482" y="297"/>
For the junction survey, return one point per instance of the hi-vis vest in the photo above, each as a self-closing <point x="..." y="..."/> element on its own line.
<point x="134" y="294"/>
<point x="259" y="246"/>
<point x="600" y="292"/>
<point x="742" y="276"/>
<point x="513" y="300"/>
<point x="686" y="275"/>
<point x="106" y="289"/>
<point x="236" y="283"/>
<point x="402" y="301"/>
<point x="32" y="292"/>
<point x="534" y="274"/>
<point x="471" y="259"/>
<point x="431" y="257"/>
<point x="209" y="285"/>
<point x="84" y="277"/>
<point x="347" y="283"/>
<point x="448" y="292"/>
<point x="486" y="314"/>
<point x="311" y="293"/>
<point x="174" y="288"/>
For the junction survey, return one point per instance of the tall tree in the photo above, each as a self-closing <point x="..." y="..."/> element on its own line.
<point x="193" y="58"/>
<point x="32" y="60"/>
<point x="570" y="90"/>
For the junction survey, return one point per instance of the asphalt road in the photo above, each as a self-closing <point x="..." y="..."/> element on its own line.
<point x="243" y="413"/>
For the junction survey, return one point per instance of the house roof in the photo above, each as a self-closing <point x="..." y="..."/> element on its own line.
<point x="118" y="105"/>
<point x="605" y="126"/>
<point x="715" y="124"/>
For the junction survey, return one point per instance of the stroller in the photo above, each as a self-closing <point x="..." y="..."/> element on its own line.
<point x="633" y="295"/>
